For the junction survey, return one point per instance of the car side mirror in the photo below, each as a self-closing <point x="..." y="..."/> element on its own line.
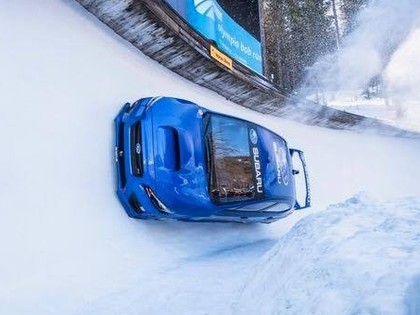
<point x="303" y="195"/>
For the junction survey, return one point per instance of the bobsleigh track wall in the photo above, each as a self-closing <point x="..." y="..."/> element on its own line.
<point x="156" y="30"/>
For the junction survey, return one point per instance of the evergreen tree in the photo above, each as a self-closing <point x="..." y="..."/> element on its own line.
<point x="350" y="9"/>
<point x="307" y="32"/>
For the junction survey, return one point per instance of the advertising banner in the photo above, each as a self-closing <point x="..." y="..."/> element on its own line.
<point x="208" y="18"/>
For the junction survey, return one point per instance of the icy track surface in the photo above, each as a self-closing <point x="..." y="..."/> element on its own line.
<point x="66" y="245"/>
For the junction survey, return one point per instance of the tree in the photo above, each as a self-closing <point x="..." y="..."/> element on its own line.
<point x="308" y="33"/>
<point x="336" y="23"/>
<point x="350" y="9"/>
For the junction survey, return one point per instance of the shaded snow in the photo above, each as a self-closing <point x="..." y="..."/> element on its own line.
<point x="356" y="257"/>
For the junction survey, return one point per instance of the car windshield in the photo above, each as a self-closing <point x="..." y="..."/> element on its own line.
<point x="232" y="159"/>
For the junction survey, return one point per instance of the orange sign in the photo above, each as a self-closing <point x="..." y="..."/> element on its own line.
<point x="221" y="57"/>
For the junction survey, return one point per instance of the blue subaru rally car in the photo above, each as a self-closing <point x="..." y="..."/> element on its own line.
<point x="178" y="160"/>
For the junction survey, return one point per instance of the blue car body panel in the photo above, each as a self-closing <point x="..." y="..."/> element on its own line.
<point x="165" y="171"/>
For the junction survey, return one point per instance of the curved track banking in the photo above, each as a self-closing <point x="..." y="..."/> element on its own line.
<point x="66" y="245"/>
<point x="156" y="30"/>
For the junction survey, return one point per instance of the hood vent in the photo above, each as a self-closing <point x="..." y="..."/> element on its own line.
<point x="168" y="148"/>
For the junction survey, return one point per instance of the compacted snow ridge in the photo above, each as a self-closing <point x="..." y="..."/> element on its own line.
<point x="356" y="257"/>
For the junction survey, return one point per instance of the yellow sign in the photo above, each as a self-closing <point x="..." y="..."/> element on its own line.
<point x="221" y="57"/>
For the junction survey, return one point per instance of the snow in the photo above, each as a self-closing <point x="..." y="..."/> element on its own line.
<point x="356" y="257"/>
<point x="66" y="244"/>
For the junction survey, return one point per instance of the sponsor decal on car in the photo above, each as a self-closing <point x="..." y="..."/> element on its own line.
<point x="257" y="170"/>
<point x="283" y="176"/>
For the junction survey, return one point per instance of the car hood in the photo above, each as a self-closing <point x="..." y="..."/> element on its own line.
<point x="181" y="181"/>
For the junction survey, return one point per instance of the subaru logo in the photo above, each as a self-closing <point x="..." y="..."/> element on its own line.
<point x="208" y="8"/>
<point x="253" y="136"/>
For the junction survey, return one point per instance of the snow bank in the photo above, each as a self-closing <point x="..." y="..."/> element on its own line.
<point x="356" y="257"/>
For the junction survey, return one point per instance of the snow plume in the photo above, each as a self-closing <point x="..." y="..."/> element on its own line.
<point x="402" y="77"/>
<point x="383" y="28"/>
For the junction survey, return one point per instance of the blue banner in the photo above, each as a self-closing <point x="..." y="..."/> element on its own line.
<point x="208" y="18"/>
